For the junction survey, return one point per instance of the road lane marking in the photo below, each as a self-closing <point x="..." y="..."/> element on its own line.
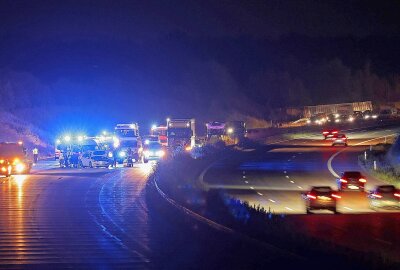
<point x="329" y="163"/>
<point x="348" y="208"/>
<point x="259" y="193"/>
<point x="246" y="182"/>
<point x="271" y="200"/>
<point x="299" y="187"/>
<point x="287" y="176"/>
<point x="251" y="187"/>
<point x="288" y="208"/>
<point x="292" y="181"/>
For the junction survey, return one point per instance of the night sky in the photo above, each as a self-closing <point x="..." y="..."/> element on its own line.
<point x="95" y="63"/>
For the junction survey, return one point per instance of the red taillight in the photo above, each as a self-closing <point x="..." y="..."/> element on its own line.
<point x="397" y="195"/>
<point x="343" y="180"/>
<point x="377" y="196"/>
<point x="336" y="196"/>
<point x="362" y="180"/>
<point x="311" y="196"/>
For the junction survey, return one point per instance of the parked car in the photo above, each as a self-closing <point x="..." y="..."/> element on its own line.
<point x="98" y="158"/>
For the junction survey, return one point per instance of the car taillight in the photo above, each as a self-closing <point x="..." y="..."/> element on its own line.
<point x="362" y="180"/>
<point x="334" y="132"/>
<point x="336" y="196"/>
<point x="311" y="196"/>
<point x="397" y="195"/>
<point x="343" y="180"/>
<point x="377" y="196"/>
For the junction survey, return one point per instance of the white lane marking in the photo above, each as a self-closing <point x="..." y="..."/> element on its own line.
<point x="329" y="163"/>
<point x="287" y="176"/>
<point x="251" y="187"/>
<point x="284" y="171"/>
<point x="244" y="176"/>
<point x="288" y="208"/>
<point x="271" y="200"/>
<point x="259" y="193"/>
<point x="299" y="187"/>
<point x="292" y="181"/>
<point x="246" y="182"/>
<point x="347" y="208"/>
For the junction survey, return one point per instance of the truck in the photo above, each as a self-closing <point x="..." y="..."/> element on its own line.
<point x="235" y="132"/>
<point x="13" y="159"/>
<point x="181" y="134"/>
<point x="215" y="131"/>
<point x="161" y="133"/>
<point x="126" y="136"/>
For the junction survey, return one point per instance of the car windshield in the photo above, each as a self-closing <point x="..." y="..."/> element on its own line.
<point x="99" y="153"/>
<point x="180" y="132"/>
<point x="126" y="133"/>
<point x="321" y="190"/>
<point x="130" y="143"/>
<point x="352" y="174"/>
<point x="99" y="158"/>
<point x="154" y="146"/>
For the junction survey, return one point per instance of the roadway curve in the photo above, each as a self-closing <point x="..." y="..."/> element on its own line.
<point x="275" y="178"/>
<point x="103" y="218"/>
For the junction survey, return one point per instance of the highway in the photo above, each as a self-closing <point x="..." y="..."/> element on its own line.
<point x="59" y="218"/>
<point x="275" y="178"/>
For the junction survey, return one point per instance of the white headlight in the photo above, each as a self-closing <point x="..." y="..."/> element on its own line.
<point x="160" y="153"/>
<point x="20" y="167"/>
<point x="122" y="154"/>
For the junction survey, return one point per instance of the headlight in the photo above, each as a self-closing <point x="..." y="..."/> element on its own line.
<point x="230" y="130"/>
<point x="351" y="119"/>
<point x="20" y="167"/>
<point x="3" y="169"/>
<point x="188" y="148"/>
<point x="1" y="161"/>
<point x="110" y="154"/>
<point x="374" y="116"/>
<point x="337" y="120"/>
<point x="122" y="154"/>
<point x="16" y="161"/>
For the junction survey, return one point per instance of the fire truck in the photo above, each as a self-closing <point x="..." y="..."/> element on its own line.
<point x="126" y="136"/>
<point x="161" y="133"/>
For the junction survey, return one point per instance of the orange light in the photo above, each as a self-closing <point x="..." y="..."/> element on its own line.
<point x="188" y="148"/>
<point x="362" y="180"/>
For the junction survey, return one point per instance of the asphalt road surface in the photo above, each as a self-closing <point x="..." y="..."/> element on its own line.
<point x="275" y="179"/>
<point x="102" y="219"/>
